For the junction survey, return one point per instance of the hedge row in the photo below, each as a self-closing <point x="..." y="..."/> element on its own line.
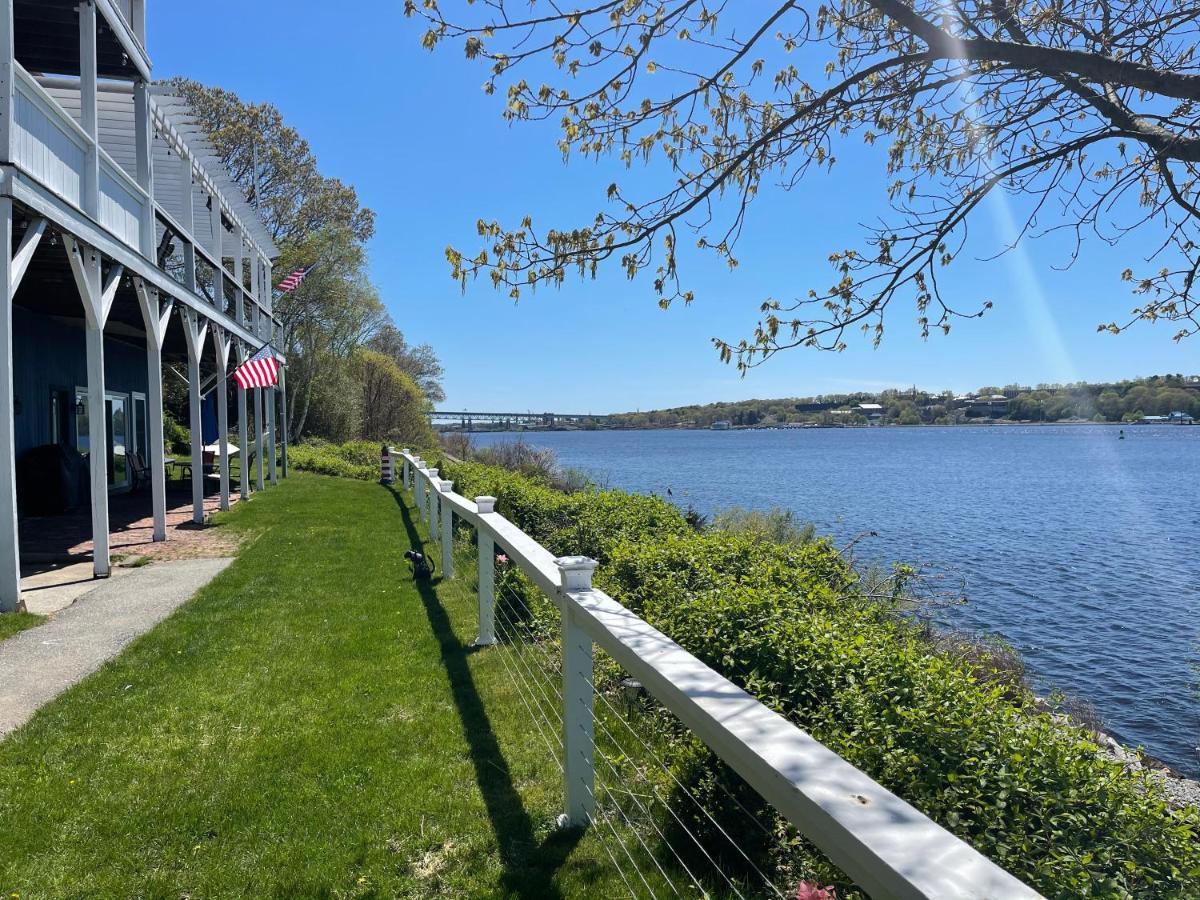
<point x="356" y="459"/>
<point x="788" y="624"/>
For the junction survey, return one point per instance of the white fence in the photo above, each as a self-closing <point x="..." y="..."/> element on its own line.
<point x="885" y="845"/>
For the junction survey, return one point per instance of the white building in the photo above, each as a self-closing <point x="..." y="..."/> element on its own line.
<point x="128" y="247"/>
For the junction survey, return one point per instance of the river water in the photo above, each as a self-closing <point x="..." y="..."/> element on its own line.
<point x="1079" y="548"/>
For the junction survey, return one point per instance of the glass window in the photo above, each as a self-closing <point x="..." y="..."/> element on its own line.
<point x="81" y="422"/>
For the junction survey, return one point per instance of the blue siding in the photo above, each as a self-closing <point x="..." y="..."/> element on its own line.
<point x="49" y="353"/>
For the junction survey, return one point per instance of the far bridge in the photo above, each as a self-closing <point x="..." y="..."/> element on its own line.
<point x="468" y="420"/>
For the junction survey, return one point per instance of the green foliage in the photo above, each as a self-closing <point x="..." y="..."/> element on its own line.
<point x="940" y="724"/>
<point x="178" y="438"/>
<point x="777" y="525"/>
<point x="355" y="459"/>
<point x="1120" y="401"/>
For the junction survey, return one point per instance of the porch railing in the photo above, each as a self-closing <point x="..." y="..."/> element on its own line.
<point x="51" y="147"/>
<point x="886" y="846"/>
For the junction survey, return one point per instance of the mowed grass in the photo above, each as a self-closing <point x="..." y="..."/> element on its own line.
<point x="312" y="724"/>
<point x="11" y="623"/>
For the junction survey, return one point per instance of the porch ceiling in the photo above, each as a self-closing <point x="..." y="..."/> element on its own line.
<point x="47" y="40"/>
<point x="48" y="288"/>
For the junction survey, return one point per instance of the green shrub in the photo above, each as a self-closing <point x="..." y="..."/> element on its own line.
<point x="790" y="623"/>
<point x="355" y="459"/>
<point x="178" y="438"/>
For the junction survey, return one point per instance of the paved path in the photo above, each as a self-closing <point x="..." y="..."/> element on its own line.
<point x="40" y="663"/>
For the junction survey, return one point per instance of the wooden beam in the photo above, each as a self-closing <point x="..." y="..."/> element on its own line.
<point x="24" y="255"/>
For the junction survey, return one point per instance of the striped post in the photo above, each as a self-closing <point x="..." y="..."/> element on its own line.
<point x="385" y="465"/>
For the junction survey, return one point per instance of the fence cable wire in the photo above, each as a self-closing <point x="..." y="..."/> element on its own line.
<point x="517" y="638"/>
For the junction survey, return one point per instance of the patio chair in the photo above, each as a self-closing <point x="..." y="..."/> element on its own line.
<point x="138" y="472"/>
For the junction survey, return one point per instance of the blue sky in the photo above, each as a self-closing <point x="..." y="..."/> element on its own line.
<point x="428" y="151"/>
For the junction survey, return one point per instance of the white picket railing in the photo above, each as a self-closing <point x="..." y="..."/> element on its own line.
<point x="885" y="845"/>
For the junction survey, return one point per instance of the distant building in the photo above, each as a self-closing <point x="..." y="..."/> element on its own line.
<point x="992" y="405"/>
<point x="722" y="425"/>
<point x="872" y="411"/>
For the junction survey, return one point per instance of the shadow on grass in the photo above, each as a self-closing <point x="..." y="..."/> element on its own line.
<point x="529" y="866"/>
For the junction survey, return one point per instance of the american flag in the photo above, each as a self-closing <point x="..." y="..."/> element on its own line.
<point x="293" y="281"/>
<point x="260" y="370"/>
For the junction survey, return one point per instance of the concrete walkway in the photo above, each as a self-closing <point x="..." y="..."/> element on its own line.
<point x="40" y="663"/>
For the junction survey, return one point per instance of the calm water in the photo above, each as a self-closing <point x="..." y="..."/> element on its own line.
<point x="1080" y="549"/>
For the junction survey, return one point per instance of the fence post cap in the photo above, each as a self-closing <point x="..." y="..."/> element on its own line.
<point x="576" y="572"/>
<point x="447" y="486"/>
<point x="485" y="504"/>
<point x="433" y="473"/>
<point x="406" y="450"/>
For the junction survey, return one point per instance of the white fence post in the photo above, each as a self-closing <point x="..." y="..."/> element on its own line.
<point x="404" y="468"/>
<point x="419" y="487"/>
<point x="447" y="530"/>
<point x="432" y="499"/>
<point x="579" y="742"/>
<point x="487" y="576"/>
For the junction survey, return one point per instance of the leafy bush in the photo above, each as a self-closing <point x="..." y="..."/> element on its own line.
<point x="178" y="438"/>
<point x="355" y="459"/>
<point x="791" y="623"/>
<point x="777" y="525"/>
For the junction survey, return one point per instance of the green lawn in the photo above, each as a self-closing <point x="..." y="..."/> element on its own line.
<point x="11" y="623"/>
<point x="313" y="724"/>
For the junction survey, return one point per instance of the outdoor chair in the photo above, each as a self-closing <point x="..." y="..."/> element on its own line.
<point x="138" y="472"/>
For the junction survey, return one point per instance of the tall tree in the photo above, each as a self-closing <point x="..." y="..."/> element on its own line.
<point x="1084" y="110"/>
<point x="292" y="196"/>
<point x="420" y="363"/>
<point x="333" y="312"/>
<point x="391" y="402"/>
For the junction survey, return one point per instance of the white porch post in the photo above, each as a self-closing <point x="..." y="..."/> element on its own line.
<point x="186" y="200"/>
<point x="243" y="430"/>
<point x="143" y="137"/>
<point x="12" y="270"/>
<point x="88" y="114"/>
<point x="216" y="248"/>
<point x="195" y="331"/>
<point x="155" y="317"/>
<point x="258" y="438"/>
<point x="10" y="552"/>
<point x="271" y="396"/>
<point x="137" y="12"/>
<point x="221" y="345"/>
<point x="97" y="296"/>
<point x="7" y="75"/>
<point x="283" y="420"/>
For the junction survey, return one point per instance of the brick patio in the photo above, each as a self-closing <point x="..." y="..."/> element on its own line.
<point x="68" y="537"/>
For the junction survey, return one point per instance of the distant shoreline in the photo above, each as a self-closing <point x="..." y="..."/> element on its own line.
<point x="1005" y="423"/>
